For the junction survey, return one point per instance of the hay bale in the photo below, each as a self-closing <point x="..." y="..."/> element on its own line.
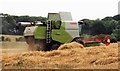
<point x="70" y="46"/>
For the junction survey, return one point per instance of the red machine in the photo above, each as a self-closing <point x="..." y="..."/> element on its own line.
<point x="96" y="39"/>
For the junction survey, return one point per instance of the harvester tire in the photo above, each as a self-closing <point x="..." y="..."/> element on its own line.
<point x="54" y="46"/>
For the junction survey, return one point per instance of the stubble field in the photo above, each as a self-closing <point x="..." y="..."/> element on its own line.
<point x="68" y="56"/>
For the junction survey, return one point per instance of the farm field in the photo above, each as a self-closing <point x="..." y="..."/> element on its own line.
<point x="68" y="56"/>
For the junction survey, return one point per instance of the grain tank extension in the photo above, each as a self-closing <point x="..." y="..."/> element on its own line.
<point x="58" y="29"/>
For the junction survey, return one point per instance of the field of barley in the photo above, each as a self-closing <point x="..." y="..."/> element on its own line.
<point x="68" y="56"/>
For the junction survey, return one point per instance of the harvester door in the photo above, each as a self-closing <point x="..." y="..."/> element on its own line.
<point x="48" y="32"/>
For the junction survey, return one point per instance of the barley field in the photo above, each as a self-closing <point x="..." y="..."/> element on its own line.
<point x="68" y="56"/>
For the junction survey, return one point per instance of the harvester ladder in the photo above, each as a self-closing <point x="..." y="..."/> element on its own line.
<point x="48" y="32"/>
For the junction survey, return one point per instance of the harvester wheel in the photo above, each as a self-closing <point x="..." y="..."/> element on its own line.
<point x="54" y="46"/>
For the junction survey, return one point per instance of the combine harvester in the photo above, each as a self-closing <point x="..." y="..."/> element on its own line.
<point x="59" y="29"/>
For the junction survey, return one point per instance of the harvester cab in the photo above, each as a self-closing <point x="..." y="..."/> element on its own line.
<point x="59" y="29"/>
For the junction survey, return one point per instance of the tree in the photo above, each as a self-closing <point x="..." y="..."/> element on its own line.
<point x="86" y="27"/>
<point x="98" y="28"/>
<point x="116" y="33"/>
<point x="116" y="17"/>
<point x="107" y="18"/>
<point x="110" y="25"/>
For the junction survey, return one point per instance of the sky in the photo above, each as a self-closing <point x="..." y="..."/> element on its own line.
<point x="80" y="9"/>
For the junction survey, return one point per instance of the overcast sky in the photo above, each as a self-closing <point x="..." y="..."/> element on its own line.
<point x="80" y="9"/>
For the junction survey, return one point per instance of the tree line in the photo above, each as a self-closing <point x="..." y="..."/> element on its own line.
<point x="108" y="25"/>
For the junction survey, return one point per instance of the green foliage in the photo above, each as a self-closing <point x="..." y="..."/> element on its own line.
<point x="116" y="34"/>
<point x="107" y="18"/>
<point x="29" y="18"/>
<point x="93" y="27"/>
<point x="8" y="24"/>
<point x="116" y="17"/>
<point x="98" y="28"/>
<point x="110" y="25"/>
<point x="104" y="26"/>
<point x="86" y="26"/>
<point x="113" y="38"/>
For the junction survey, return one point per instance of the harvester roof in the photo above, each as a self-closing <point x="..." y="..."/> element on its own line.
<point x="63" y="16"/>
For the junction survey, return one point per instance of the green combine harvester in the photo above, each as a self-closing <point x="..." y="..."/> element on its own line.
<point x="59" y="29"/>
